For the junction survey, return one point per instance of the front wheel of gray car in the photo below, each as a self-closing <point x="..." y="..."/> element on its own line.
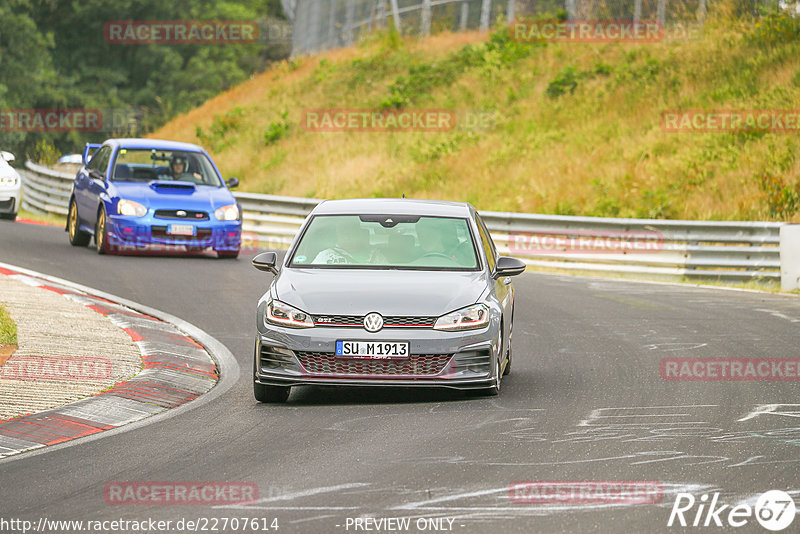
<point x="272" y="394"/>
<point x="509" y="351"/>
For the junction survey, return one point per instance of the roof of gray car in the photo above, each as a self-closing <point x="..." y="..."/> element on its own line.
<point x="398" y="206"/>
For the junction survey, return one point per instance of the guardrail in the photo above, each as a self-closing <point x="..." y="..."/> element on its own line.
<point x="667" y="249"/>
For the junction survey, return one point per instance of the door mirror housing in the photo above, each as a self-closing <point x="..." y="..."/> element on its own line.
<point x="7" y="156"/>
<point x="507" y="266"/>
<point x="266" y="261"/>
<point x="88" y="152"/>
<point x="232" y="183"/>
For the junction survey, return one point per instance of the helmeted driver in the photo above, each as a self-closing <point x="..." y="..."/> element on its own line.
<point x="178" y="168"/>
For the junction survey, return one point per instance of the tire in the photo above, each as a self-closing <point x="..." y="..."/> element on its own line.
<point x="270" y="394"/>
<point x="494" y="389"/>
<point x="101" y="234"/>
<point x="227" y="254"/>
<point x="507" y="370"/>
<point x="509" y="351"/>
<point x="77" y="238"/>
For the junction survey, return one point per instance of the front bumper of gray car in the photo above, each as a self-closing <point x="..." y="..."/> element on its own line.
<point x="458" y="360"/>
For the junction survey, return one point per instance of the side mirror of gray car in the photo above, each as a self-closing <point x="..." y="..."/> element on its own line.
<point x="266" y="261"/>
<point x="507" y="266"/>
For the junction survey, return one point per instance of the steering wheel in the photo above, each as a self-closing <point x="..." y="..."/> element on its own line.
<point x="436" y="254"/>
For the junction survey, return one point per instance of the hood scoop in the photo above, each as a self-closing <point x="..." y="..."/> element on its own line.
<point x="172" y="187"/>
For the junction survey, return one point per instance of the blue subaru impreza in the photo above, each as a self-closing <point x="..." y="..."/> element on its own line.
<point x="131" y="193"/>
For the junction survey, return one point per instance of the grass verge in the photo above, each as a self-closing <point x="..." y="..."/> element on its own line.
<point x="8" y="328"/>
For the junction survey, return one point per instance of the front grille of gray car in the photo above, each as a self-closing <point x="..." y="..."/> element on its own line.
<point x="388" y="322"/>
<point x="326" y="363"/>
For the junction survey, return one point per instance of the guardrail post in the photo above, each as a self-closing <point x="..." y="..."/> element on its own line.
<point x="790" y="257"/>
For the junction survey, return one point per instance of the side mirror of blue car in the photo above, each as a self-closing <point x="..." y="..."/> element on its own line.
<point x="232" y="183"/>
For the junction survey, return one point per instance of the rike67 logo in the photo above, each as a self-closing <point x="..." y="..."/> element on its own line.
<point x="774" y="510"/>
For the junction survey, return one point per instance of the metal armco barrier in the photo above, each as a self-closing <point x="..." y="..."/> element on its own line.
<point x="667" y="249"/>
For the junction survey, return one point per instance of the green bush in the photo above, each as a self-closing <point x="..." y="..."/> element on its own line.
<point x="565" y="80"/>
<point x="277" y="129"/>
<point x="783" y="200"/>
<point x="776" y="26"/>
<point x="222" y="126"/>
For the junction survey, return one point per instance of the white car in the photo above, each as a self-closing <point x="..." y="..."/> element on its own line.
<point x="10" y="187"/>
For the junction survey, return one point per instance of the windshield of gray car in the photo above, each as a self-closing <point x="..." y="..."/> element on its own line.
<point x="386" y="242"/>
<point x="144" y="165"/>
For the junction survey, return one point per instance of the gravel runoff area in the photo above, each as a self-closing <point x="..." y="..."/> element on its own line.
<point x="65" y="352"/>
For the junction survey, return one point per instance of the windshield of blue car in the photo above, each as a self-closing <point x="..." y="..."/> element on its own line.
<point x="145" y="165"/>
<point x="386" y="242"/>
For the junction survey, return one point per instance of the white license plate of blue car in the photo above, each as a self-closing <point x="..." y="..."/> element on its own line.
<point x="374" y="350"/>
<point x="181" y="229"/>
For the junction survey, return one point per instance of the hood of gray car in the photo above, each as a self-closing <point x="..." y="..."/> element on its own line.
<point x="388" y="292"/>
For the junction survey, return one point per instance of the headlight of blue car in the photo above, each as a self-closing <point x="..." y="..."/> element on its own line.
<point x="227" y="213"/>
<point x="130" y="208"/>
<point x="471" y="317"/>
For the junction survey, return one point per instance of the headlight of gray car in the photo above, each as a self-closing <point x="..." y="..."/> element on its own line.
<point x="469" y="318"/>
<point x="279" y="313"/>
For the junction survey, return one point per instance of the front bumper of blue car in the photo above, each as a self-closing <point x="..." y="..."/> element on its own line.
<point x="138" y="232"/>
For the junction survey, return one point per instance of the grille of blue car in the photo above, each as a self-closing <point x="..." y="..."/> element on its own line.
<point x="181" y="215"/>
<point x="389" y="321"/>
<point x="326" y="363"/>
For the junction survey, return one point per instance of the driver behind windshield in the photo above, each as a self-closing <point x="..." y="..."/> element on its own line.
<point x="178" y="170"/>
<point x="352" y="245"/>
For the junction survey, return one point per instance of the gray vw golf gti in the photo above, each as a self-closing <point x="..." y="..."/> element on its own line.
<point x="386" y="292"/>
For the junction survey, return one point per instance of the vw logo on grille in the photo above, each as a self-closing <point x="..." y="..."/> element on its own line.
<point x="373" y="322"/>
<point x="180" y="213"/>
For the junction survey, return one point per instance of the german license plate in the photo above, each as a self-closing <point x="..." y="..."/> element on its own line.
<point x="374" y="350"/>
<point x="180" y="229"/>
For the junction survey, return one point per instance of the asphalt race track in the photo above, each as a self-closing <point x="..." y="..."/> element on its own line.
<point x="585" y="402"/>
